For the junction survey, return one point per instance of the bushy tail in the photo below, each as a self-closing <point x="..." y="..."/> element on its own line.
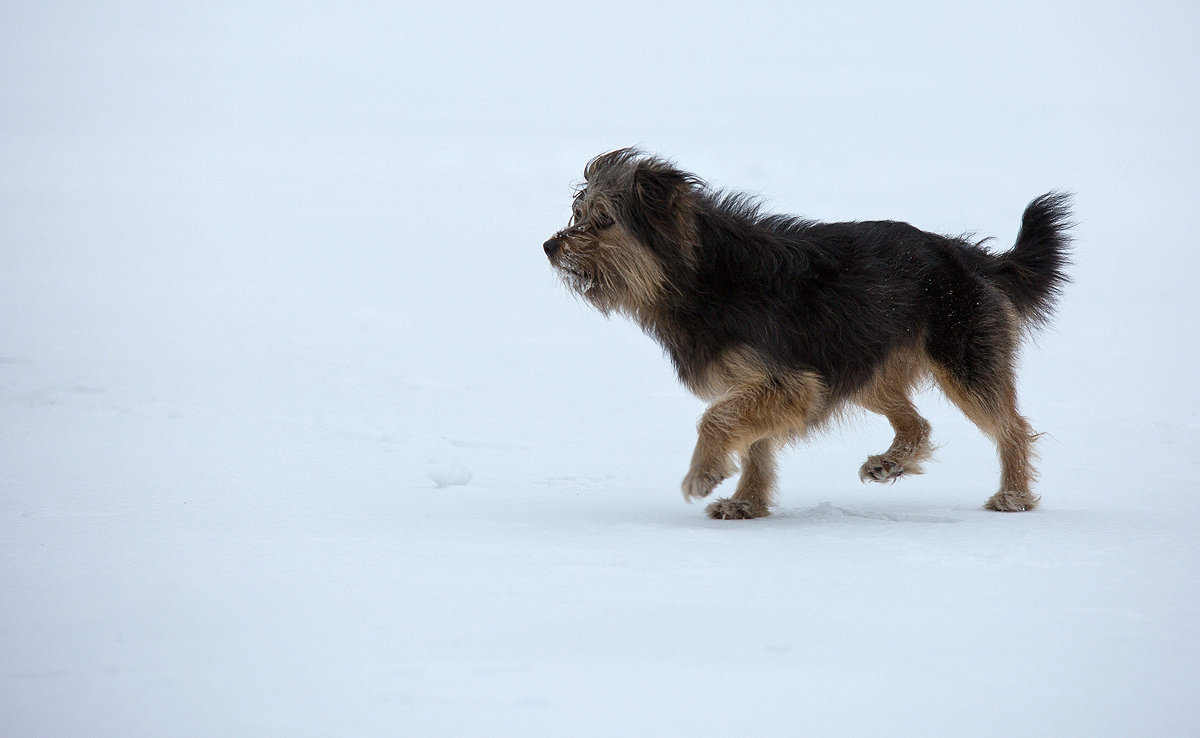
<point x="1033" y="272"/>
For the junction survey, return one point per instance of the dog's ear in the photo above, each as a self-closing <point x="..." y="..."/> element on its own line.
<point x="661" y="209"/>
<point x="656" y="188"/>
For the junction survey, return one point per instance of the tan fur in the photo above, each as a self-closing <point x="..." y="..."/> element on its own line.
<point x="631" y="280"/>
<point x="612" y="270"/>
<point x="888" y="395"/>
<point x="755" y="409"/>
<point x="996" y="415"/>
<point x="756" y="487"/>
<point x="999" y="418"/>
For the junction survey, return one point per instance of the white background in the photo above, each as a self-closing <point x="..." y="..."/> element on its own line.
<point x="270" y="273"/>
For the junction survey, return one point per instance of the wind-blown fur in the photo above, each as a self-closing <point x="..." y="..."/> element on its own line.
<point x="782" y="322"/>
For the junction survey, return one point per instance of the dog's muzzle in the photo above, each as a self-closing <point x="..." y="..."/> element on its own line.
<point x="552" y="246"/>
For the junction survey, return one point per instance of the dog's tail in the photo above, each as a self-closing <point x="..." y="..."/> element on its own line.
<point x="1033" y="273"/>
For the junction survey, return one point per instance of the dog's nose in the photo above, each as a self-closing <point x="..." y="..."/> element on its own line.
<point x="552" y="246"/>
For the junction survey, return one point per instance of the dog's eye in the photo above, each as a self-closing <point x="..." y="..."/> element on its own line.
<point x="603" y="220"/>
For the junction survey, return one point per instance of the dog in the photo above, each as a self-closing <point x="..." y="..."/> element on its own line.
<point x="783" y="324"/>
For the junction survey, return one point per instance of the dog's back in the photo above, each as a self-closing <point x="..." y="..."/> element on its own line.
<point x="840" y="298"/>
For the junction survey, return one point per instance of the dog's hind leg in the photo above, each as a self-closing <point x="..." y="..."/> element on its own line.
<point x="887" y="395"/>
<point x="909" y="448"/>
<point x="972" y="348"/>
<point x="993" y="407"/>
<point x="756" y="487"/>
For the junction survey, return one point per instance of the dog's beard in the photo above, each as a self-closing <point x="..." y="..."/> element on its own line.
<point x="578" y="283"/>
<point x="578" y="277"/>
<point x="593" y="287"/>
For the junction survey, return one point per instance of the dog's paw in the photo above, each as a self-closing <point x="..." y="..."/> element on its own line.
<point x="727" y="509"/>
<point x="1012" y="501"/>
<point x="882" y="469"/>
<point x="698" y="484"/>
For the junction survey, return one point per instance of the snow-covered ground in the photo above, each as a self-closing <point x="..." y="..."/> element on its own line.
<point x="299" y="435"/>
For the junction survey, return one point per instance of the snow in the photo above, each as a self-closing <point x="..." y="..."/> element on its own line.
<point x="300" y="436"/>
<point x="451" y="475"/>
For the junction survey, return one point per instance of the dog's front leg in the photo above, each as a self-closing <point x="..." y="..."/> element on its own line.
<point x="738" y="421"/>
<point x="756" y="488"/>
<point x="712" y="460"/>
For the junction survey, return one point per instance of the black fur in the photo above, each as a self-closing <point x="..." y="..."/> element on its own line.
<point x="1032" y="274"/>
<point x="838" y="298"/>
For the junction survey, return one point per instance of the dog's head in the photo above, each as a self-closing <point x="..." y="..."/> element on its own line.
<point x="631" y="238"/>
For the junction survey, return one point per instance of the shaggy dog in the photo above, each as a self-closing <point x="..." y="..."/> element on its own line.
<point x="783" y="323"/>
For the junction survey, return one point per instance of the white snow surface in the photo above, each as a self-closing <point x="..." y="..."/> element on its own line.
<point x="271" y="273"/>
